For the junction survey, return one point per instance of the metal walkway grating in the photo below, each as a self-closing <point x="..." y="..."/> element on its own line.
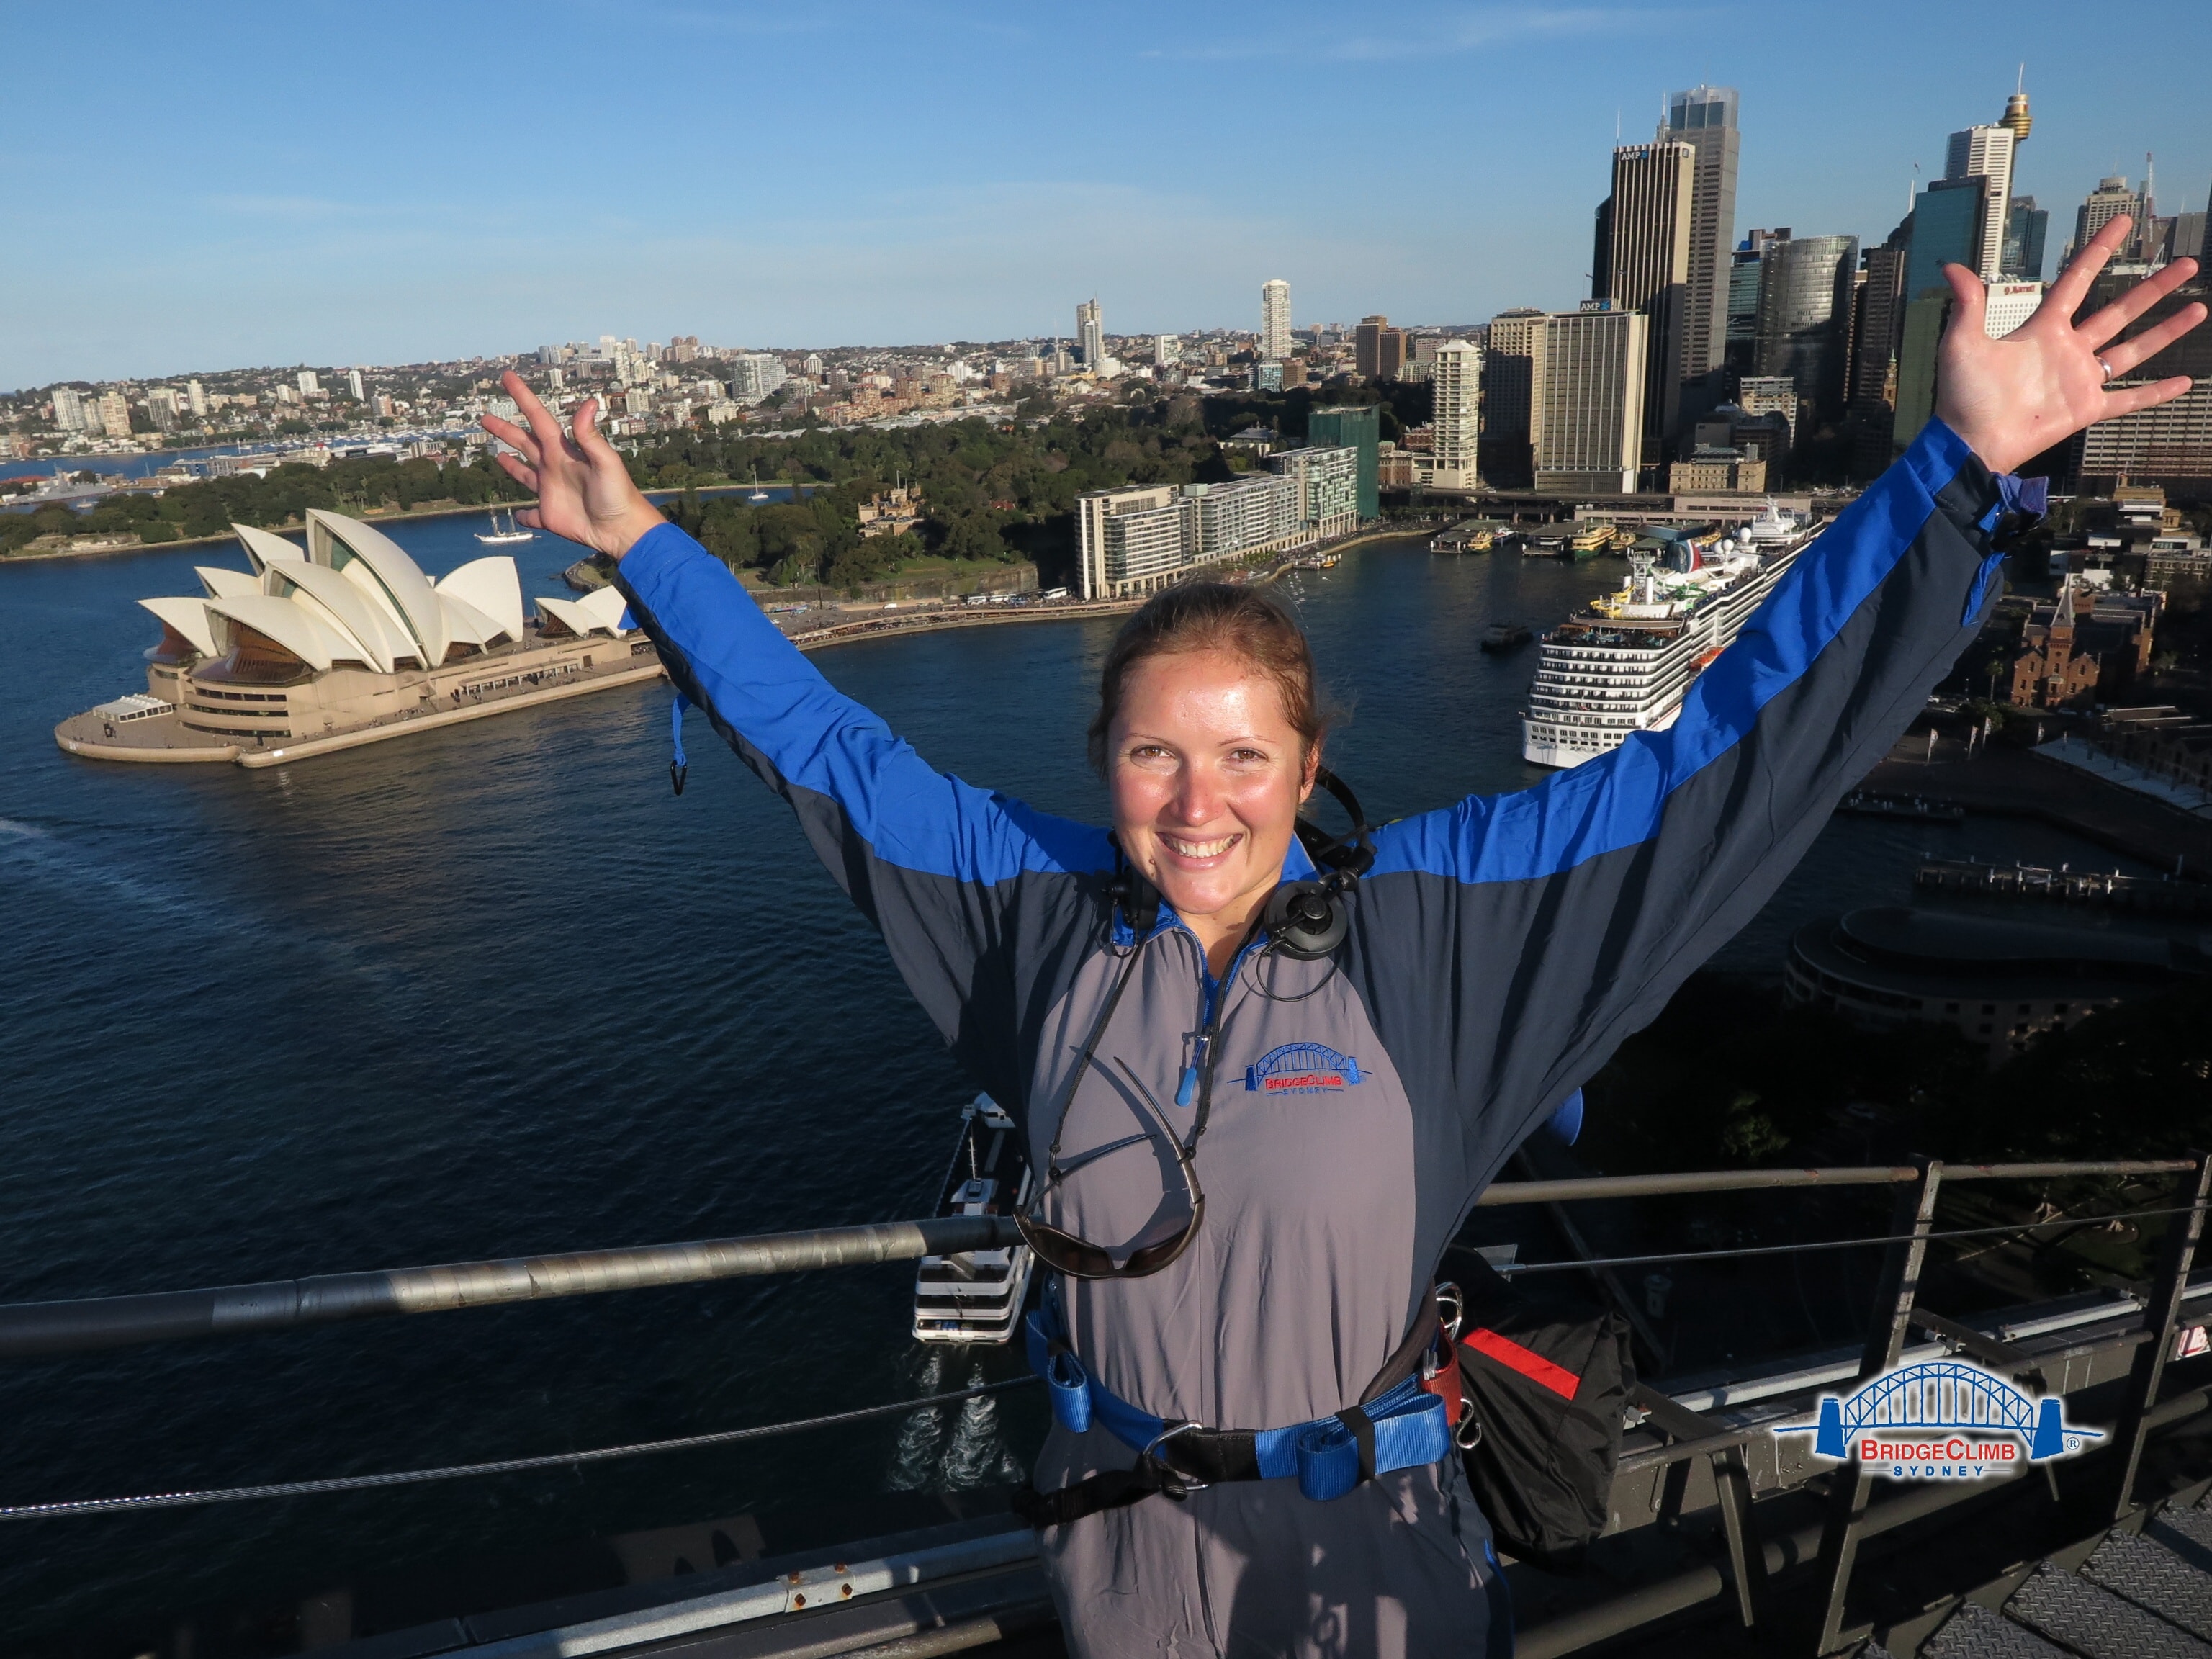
<point x="2095" y="1622"/>
<point x="1974" y="1633"/>
<point x="2172" y="1586"/>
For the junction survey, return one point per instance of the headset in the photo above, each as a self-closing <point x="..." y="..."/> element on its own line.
<point x="1305" y="920"/>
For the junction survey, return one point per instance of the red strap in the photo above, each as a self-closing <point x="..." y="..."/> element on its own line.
<point x="1558" y="1379"/>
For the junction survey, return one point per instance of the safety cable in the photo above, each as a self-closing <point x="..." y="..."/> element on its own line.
<point x="1818" y="1244"/>
<point x="168" y="1500"/>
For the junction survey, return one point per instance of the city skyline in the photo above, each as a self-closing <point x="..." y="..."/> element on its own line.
<point x="435" y="207"/>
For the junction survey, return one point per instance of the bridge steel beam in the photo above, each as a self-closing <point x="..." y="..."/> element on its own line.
<point x="2177" y="1255"/>
<point x="31" y="1330"/>
<point x="1890" y="1325"/>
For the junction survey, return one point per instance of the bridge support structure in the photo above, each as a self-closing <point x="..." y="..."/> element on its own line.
<point x="2177" y="1256"/>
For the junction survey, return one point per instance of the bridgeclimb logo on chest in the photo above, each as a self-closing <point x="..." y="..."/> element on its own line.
<point x="1301" y="1068"/>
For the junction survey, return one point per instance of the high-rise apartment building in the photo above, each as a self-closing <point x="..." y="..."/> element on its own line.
<point x="755" y="376"/>
<point x="1359" y="428"/>
<point x="196" y="399"/>
<point x="1804" y="313"/>
<point x="353" y="387"/>
<point x="1378" y="350"/>
<point x="308" y="382"/>
<point x="1166" y="349"/>
<point x="1649" y="270"/>
<point x="1275" y="318"/>
<point x="114" y="415"/>
<point x="161" y="406"/>
<point x="1586" y="413"/>
<point x="1325" y="483"/>
<point x="1456" y="388"/>
<point x="69" y="409"/>
<point x="1704" y="118"/>
<point x="1089" y="334"/>
<point x="1986" y="153"/>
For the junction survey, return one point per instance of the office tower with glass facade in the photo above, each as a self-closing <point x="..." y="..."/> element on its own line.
<point x="1804" y="314"/>
<point x="1089" y="334"/>
<point x="1455" y="387"/>
<point x="2026" y="226"/>
<point x="1357" y="427"/>
<point x="1649" y="269"/>
<point x="1986" y="153"/>
<point x="1704" y="118"/>
<point x="1586" y="414"/>
<point x="1275" y="319"/>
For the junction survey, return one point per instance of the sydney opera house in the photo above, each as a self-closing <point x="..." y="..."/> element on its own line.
<point x="346" y="643"/>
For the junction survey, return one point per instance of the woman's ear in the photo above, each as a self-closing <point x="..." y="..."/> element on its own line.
<point x="1312" y="771"/>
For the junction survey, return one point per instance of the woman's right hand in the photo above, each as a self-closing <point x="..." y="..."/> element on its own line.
<point x="584" y="493"/>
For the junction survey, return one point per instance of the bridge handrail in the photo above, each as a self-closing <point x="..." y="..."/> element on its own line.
<point x="30" y="1330"/>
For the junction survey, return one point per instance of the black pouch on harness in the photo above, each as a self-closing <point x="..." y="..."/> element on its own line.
<point x="1547" y="1382"/>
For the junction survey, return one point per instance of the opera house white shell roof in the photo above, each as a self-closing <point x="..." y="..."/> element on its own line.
<point x="354" y="597"/>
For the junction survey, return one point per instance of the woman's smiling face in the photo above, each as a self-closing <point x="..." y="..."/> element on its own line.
<point x="1207" y="776"/>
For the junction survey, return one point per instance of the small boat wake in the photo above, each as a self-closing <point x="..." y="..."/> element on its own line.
<point x="952" y="1447"/>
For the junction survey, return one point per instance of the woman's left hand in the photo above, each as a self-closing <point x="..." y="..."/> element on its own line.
<point x="2012" y="398"/>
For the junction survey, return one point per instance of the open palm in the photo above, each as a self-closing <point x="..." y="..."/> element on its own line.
<point x="584" y="491"/>
<point x="2015" y="397"/>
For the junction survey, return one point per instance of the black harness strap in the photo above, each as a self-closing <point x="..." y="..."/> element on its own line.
<point x="1208" y="1458"/>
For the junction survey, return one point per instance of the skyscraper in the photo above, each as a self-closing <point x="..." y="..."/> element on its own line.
<point x="1704" y="118"/>
<point x="1275" y="318"/>
<point x="1378" y="350"/>
<point x="2111" y="198"/>
<point x="1649" y="269"/>
<point x="353" y="386"/>
<point x="1805" y="311"/>
<point x="1740" y="349"/>
<point x="2026" y="226"/>
<point x="1089" y="334"/>
<point x="1586" y="414"/>
<point x="1508" y="365"/>
<point x="69" y="409"/>
<point x="1455" y="385"/>
<point x="1986" y="153"/>
<point x="196" y="398"/>
<point x="308" y="382"/>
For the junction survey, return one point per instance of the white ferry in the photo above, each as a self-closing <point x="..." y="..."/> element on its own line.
<point x="1626" y="663"/>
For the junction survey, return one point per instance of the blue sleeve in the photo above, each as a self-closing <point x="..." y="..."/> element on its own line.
<point x="933" y="862"/>
<point x="1565" y="915"/>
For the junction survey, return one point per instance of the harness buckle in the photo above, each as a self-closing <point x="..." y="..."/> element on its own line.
<point x="1173" y="1481"/>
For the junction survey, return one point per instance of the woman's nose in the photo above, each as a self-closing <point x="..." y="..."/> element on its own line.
<point x="1198" y="798"/>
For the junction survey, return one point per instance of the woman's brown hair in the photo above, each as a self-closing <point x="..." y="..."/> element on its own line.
<point x="1242" y="622"/>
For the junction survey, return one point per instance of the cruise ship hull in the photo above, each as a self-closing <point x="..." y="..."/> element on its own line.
<point x="1625" y="666"/>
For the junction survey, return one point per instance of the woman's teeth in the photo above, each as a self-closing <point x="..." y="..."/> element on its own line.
<point x="1199" y="849"/>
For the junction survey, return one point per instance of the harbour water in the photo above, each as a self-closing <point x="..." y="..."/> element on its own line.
<point x="494" y="990"/>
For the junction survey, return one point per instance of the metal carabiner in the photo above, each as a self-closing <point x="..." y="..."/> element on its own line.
<point x="1448" y="1292"/>
<point x="1181" y="1485"/>
<point x="1460" y="1436"/>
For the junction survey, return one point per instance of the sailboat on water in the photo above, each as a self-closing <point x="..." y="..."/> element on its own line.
<point x="512" y="533"/>
<point x="758" y="495"/>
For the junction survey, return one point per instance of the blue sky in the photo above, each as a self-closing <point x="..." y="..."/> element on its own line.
<point x="212" y="185"/>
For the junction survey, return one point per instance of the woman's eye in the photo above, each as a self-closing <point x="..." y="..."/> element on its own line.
<point x="1248" y="758"/>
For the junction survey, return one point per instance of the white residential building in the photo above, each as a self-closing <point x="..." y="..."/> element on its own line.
<point x="308" y="383"/>
<point x="69" y="409"/>
<point x="1275" y="318"/>
<point x="1145" y="537"/>
<point x="1455" y="385"/>
<point x="1985" y="152"/>
<point x="353" y="387"/>
<point x="1325" y="485"/>
<point x="755" y="376"/>
<point x="196" y="399"/>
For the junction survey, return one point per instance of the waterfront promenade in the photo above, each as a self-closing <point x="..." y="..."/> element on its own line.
<point x="2007" y="782"/>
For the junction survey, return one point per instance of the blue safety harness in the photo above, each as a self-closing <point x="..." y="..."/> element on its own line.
<point x="1402" y="1428"/>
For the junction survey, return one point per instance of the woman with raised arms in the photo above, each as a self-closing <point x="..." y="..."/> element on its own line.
<point x="1268" y="1075"/>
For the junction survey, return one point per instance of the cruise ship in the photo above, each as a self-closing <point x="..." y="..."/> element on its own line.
<point x="1625" y="663"/>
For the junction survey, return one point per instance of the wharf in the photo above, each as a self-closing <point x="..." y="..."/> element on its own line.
<point x="2009" y="782"/>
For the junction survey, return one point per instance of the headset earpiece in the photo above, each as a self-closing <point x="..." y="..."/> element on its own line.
<point x="1137" y="899"/>
<point x="1306" y="919"/>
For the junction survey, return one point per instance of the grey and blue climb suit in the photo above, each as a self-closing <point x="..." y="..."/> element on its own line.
<point x="1499" y="949"/>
